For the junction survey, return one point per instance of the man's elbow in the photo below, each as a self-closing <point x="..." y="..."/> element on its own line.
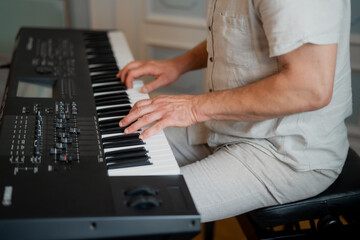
<point x="320" y="98"/>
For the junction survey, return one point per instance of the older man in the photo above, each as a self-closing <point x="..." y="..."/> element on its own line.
<point x="270" y="129"/>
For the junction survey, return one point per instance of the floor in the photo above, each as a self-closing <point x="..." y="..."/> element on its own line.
<point x="227" y="229"/>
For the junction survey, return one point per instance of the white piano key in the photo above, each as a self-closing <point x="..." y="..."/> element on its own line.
<point x="104" y="83"/>
<point x="108" y="118"/>
<point x="107" y="93"/>
<point x="115" y="105"/>
<point x="120" y="48"/>
<point x="99" y="73"/>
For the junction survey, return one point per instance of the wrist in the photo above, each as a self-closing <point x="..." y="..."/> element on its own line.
<point x="182" y="64"/>
<point x="199" y="107"/>
<point x="194" y="59"/>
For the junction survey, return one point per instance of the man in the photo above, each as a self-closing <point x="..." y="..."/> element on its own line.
<point x="278" y="75"/>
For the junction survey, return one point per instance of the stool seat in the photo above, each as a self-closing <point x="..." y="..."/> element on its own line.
<point x="342" y="198"/>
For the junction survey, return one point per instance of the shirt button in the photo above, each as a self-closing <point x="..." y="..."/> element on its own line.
<point x="211" y="59"/>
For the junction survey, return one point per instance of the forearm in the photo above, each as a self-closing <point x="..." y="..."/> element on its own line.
<point x="194" y="59"/>
<point x="272" y="97"/>
<point x="305" y="83"/>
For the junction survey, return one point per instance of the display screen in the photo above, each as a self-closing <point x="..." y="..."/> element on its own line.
<point x="36" y="87"/>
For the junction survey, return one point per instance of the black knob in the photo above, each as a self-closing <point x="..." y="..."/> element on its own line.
<point x="143" y="202"/>
<point x="143" y="190"/>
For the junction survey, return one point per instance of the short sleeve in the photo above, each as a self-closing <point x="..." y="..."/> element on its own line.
<point x="288" y="24"/>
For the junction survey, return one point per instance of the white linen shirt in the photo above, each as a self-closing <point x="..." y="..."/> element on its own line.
<point x="244" y="39"/>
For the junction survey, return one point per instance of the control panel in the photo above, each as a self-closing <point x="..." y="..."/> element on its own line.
<point x="48" y="135"/>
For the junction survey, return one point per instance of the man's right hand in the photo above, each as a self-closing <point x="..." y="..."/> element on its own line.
<point x="165" y="72"/>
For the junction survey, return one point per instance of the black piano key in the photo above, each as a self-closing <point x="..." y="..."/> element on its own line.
<point x="103" y="76"/>
<point x="119" y="159"/>
<point x="105" y="72"/>
<point x="114" y="109"/>
<point x="95" y="37"/>
<point x="101" y="60"/>
<point x="113" y="113"/>
<point x="97" y="44"/>
<point x="104" y="67"/>
<point x="98" y="51"/>
<point x="101" y="55"/>
<point x="105" y="79"/>
<point x="111" y="96"/>
<point x="124" y="143"/>
<point x="112" y="130"/>
<point x="109" y="88"/>
<point x="139" y="151"/>
<point x="99" y="39"/>
<point x="110" y="56"/>
<point x="112" y="124"/>
<point x="94" y="33"/>
<point x="140" y="161"/>
<point x="119" y="138"/>
<point x="124" y="156"/>
<point x="112" y="102"/>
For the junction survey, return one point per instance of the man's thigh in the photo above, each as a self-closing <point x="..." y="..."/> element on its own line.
<point x="184" y="152"/>
<point x="238" y="178"/>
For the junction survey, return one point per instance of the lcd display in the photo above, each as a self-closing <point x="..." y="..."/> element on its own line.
<point x="36" y="87"/>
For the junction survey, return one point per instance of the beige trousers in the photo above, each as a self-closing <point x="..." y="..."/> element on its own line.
<point x="237" y="178"/>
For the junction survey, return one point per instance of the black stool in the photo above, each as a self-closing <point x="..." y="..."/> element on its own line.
<point x="335" y="212"/>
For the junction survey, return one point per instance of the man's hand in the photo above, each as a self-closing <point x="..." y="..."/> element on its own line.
<point x="165" y="72"/>
<point x="164" y="110"/>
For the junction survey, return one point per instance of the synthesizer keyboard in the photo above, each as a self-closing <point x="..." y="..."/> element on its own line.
<point x="67" y="171"/>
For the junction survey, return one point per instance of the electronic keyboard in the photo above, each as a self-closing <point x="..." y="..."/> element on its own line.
<point x="67" y="169"/>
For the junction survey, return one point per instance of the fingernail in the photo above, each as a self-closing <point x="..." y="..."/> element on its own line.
<point x="144" y="90"/>
<point x="120" y="124"/>
<point x="141" y="137"/>
<point x="126" y="131"/>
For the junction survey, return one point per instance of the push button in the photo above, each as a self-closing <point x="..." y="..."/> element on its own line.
<point x="55" y="151"/>
<point x="66" y="140"/>
<point x="65" y="158"/>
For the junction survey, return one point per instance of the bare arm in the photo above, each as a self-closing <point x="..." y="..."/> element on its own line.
<point x="305" y="83"/>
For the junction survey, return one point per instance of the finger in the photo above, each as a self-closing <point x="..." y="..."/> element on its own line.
<point x="124" y="72"/>
<point x="153" y="85"/>
<point x="129" y="66"/>
<point x="142" y="122"/>
<point x="139" y="109"/>
<point x="146" y="69"/>
<point x="154" y="129"/>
